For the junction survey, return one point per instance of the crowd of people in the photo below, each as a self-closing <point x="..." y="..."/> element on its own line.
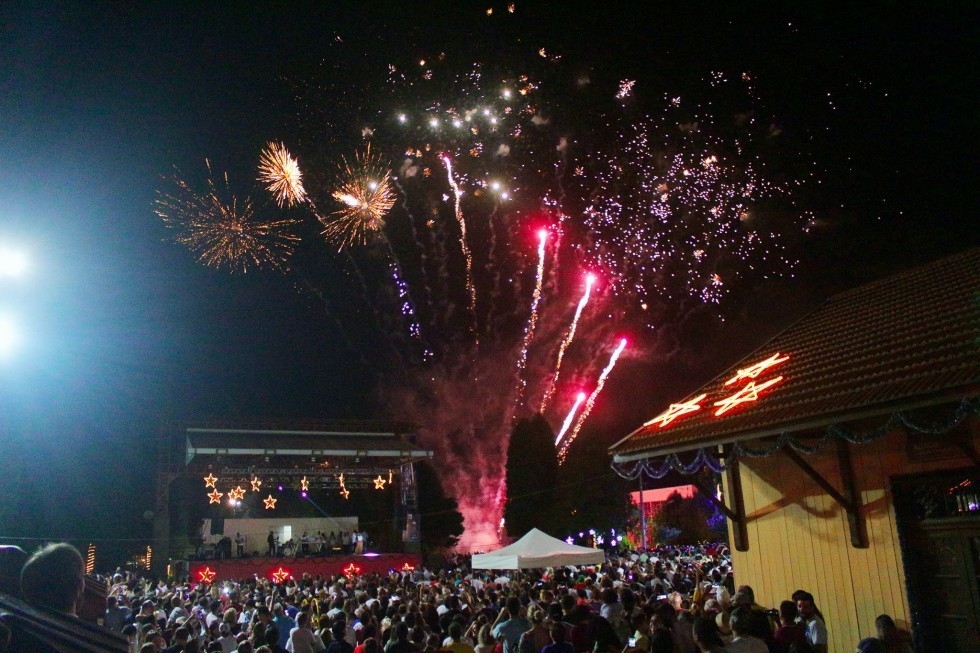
<point x="678" y="600"/>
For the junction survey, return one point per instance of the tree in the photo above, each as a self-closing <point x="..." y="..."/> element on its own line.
<point x="532" y="476"/>
<point x="688" y="521"/>
<point x="441" y="523"/>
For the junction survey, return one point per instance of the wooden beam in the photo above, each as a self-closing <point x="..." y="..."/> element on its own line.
<point x="847" y="500"/>
<point x="856" y="524"/>
<point x="740" y="530"/>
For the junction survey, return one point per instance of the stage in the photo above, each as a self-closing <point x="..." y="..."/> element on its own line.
<point x="280" y="569"/>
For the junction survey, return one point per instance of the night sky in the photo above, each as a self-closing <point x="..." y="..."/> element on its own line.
<point x="122" y="331"/>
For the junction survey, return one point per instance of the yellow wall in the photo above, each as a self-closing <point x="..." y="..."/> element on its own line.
<point x="799" y="539"/>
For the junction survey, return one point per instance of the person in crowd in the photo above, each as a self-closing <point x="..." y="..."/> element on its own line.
<point x="54" y="577"/>
<point x="302" y="639"/>
<point x="510" y="625"/>
<point x="895" y="640"/>
<point x="284" y="624"/>
<point x="706" y="636"/>
<point x="537" y="637"/>
<point x="812" y="619"/>
<point x="456" y="643"/>
<point x="744" y="641"/>
<point x="790" y="631"/>
<point x="556" y="632"/>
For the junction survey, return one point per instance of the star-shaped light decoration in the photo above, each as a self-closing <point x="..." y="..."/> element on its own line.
<point x="304" y="484"/>
<point x="676" y="410"/>
<point x="256" y="483"/>
<point x="351" y="570"/>
<point x="210" y="480"/>
<point x="753" y="371"/>
<point x="237" y="494"/>
<point x="280" y="576"/>
<point x="216" y="496"/>
<point x="746" y="394"/>
<point x="206" y="575"/>
<point x="379" y="483"/>
<point x="270" y="502"/>
<point x="344" y="492"/>
<point x="389" y="477"/>
<point x="407" y="567"/>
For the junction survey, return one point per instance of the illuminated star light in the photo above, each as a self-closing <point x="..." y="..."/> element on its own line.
<point x="270" y="502"/>
<point x="676" y="410"/>
<point x="532" y="319"/>
<point x="351" y="570"/>
<point x="237" y="494"/>
<point x="589" y="280"/>
<point x="379" y="483"/>
<point x="280" y="173"/>
<point x="590" y="402"/>
<point x="280" y="576"/>
<point x="569" y="417"/>
<point x="210" y="480"/>
<point x="206" y="575"/>
<point x="344" y="492"/>
<point x="304" y="484"/>
<point x="256" y="484"/>
<point x="746" y="394"/>
<point x="754" y="371"/>
<point x="216" y="496"/>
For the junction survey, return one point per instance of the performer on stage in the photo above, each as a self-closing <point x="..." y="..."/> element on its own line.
<point x="272" y="544"/>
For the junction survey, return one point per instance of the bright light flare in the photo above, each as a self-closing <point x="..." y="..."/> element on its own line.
<point x="532" y="318"/>
<point x="589" y="281"/>
<point x="568" y="418"/>
<point x="13" y="263"/>
<point x="9" y="336"/>
<point x="563" y="451"/>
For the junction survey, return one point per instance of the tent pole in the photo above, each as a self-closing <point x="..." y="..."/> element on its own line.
<point x="643" y="517"/>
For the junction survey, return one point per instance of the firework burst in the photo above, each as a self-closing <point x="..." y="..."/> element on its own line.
<point x="367" y="194"/>
<point x="280" y="173"/>
<point x="223" y="230"/>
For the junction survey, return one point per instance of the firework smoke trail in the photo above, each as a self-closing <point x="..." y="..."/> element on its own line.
<point x="467" y="254"/>
<point x="589" y="280"/>
<point x="423" y="257"/>
<point x="568" y="418"/>
<point x="563" y="451"/>
<point x="407" y="306"/>
<point x="532" y="321"/>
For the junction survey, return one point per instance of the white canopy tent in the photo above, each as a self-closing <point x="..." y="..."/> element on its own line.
<point x="537" y="550"/>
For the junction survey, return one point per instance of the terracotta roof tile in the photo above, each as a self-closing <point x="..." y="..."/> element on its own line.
<point x="909" y="340"/>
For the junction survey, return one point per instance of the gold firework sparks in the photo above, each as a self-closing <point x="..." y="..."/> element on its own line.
<point x="280" y="173"/>
<point x="367" y="194"/>
<point x="224" y="231"/>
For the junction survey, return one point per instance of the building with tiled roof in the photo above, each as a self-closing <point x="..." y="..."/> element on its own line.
<point x="848" y="445"/>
